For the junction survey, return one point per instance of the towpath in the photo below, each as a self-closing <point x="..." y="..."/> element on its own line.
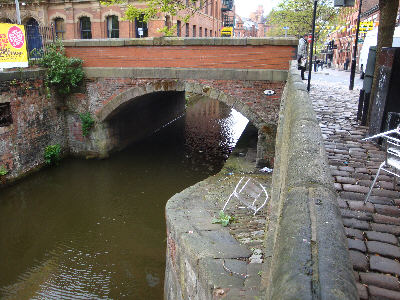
<point x="373" y="229"/>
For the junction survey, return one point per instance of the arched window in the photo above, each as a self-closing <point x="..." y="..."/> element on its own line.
<point x="59" y="27"/>
<point x="33" y="36"/>
<point x="168" y="22"/>
<point x="112" y="27"/>
<point x="85" y="28"/>
<point x="6" y="20"/>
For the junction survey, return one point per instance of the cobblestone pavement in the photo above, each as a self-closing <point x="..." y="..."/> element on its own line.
<point x="373" y="229"/>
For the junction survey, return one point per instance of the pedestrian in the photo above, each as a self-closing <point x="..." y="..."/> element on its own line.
<point x="329" y="63"/>
<point x="346" y="63"/>
<point x="315" y="64"/>
<point x="321" y="64"/>
<point x="302" y="55"/>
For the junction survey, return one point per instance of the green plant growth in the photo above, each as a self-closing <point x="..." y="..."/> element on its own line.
<point x="3" y="170"/>
<point x="87" y="122"/>
<point x="64" y="73"/>
<point x="52" y="154"/>
<point x="223" y="219"/>
<point x="298" y="16"/>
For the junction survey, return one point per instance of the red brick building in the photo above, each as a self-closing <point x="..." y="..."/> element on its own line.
<point x="344" y="36"/>
<point x="88" y="19"/>
<point x="254" y="26"/>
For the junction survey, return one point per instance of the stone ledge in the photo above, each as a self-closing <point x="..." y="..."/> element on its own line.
<point x="305" y="240"/>
<point x="197" y="250"/>
<point x="179" y="41"/>
<point x="188" y="73"/>
<point x="22" y="75"/>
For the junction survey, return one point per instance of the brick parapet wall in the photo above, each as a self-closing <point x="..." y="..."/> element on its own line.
<point x="217" y="53"/>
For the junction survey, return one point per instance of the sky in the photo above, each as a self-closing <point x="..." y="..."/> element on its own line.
<point x="245" y="7"/>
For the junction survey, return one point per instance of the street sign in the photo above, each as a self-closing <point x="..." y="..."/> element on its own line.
<point x="286" y="28"/>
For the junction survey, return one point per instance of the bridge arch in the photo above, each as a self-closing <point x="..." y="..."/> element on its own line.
<point x="177" y="86"/>
<point x="108" y="114"/>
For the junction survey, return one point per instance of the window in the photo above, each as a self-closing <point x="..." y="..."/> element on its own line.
<point x="210" y="32"/>
<point x="205" y="32"/>
<point x="85" y="28"/>
<point x="178" y="28"/>
<point x="141" y="27"/>
<point x="59" y="28"/>
<point x="194" y="30"/>
<point x="5" y="114"/>
<point x="187" y="30"/>
<point x="168" y="22"/>
<point x="206" y="7"/>
<point x="200" y="31"/>
<point x="112" y="27"/>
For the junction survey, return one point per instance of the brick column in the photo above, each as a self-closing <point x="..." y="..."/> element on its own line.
<point x="70" y="26"/>
<point x="97" y="23"/>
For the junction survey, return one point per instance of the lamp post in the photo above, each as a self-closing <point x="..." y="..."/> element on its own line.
<point x="312" y="46"/>
<point x="353" y="61"/>
<point x="17" y="12"/>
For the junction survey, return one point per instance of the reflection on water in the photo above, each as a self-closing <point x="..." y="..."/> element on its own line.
<point x="96" y="229"/>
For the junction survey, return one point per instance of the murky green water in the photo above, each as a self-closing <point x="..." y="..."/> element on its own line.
<point x="96" y="229"/>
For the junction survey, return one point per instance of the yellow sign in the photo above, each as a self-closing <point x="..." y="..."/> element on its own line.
<point x="13" y="46"/>
<point x="366" y="26"/>
<point x="227" y="32"/>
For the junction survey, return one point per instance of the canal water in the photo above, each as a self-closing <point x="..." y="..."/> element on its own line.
<point x="95" y="229"/>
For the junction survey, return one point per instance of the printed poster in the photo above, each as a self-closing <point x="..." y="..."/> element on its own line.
<point x="13" y="52"/>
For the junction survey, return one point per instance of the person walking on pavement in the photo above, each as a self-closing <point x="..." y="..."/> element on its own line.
<point x="315" y="64"/>
<point x="302" y="55"/>
<point x="346" y="63"/>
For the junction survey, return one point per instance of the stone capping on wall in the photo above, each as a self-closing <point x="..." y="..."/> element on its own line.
<point x="187" y="73"/>
<point x="306" y="255"/>
<point x="180" y="41"/>
<point x="22" y="75"/>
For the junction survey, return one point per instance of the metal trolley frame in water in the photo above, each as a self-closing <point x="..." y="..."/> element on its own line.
<point x="391" y="164"/>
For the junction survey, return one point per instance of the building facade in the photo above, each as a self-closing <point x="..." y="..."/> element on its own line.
<point x="344" y="36"/>
<point x="253" y="26"/>
<point x="88" y="19"/>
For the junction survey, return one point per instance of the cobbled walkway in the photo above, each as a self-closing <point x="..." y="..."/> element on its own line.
<point x="373" y="229"/>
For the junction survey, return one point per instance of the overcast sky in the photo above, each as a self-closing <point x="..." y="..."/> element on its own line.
<point x="245" y="7"/>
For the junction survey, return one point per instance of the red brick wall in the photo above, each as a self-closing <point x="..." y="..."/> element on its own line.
<point x="235" y="57"/>
<point x="37" y="123"/>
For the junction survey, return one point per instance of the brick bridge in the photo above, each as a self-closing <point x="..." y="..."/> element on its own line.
<point x="127" y="81"/>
